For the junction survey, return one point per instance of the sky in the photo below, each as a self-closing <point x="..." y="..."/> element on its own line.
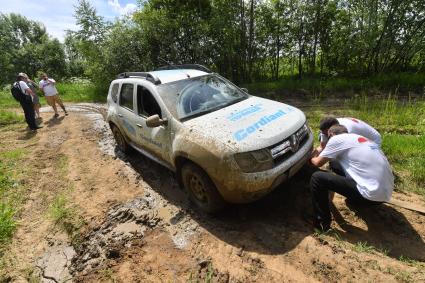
<point x="57" y="15"/>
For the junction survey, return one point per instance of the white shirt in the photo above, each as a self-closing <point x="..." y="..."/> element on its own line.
<point x="356" y="126"/>
<point x="48" y="87"/>
<point x="24" y="87"/>
<point x="364" y="162"/>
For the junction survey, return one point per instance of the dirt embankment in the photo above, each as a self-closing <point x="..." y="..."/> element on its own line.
<point x="130" y="222"/>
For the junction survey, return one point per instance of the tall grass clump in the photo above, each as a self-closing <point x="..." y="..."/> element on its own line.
<point x="391" y="115"/>
<point x="11" y="194"/>
<point x="9" y="117"/>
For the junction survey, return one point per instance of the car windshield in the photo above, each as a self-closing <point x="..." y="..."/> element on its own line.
<point x="194" y="97"/>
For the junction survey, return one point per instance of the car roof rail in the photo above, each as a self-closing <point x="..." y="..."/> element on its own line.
<point x="185" y="66"/>
<point x="149" y="77"/>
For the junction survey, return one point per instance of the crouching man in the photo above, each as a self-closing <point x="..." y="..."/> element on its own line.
<point x="366" y="175"/>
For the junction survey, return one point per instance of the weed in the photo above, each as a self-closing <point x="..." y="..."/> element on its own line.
<point x="403" y="276"/>
<point x="210" y="273"/>
<point x="410" y="261"/>
<point x="107" y="274"/>
<point x="9" y="117"/>
<point x="363" y="247"/>
<point x="7" y="222"/>
<point x="66" y="215"/>
<point x="59" y="210"/>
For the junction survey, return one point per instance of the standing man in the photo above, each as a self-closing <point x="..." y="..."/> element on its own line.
<point x="367" y="177"/>
<point x="35" y="99"/>
<point x="26" y="101"/>
<point x="48" y="86"/>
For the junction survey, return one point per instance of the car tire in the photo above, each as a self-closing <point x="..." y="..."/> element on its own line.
<point x="201" y="189"/>
<point x="122" y="144"/>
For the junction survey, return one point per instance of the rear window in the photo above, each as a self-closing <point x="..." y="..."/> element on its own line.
<point x="114" y="92"/>
<point x="126" y="96"/>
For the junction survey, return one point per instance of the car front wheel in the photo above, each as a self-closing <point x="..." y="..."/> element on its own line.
<point x="122" y="144"/>
<point x="201" y="189"/>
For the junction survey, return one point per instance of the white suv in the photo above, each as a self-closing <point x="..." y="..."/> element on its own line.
<point x="224" y="144"/>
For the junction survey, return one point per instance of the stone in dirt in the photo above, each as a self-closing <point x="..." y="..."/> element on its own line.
<point x="54" y="264"/>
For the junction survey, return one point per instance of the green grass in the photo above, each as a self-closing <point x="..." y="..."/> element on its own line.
<point x="9" y="118"/>
<point x="81" y="91"/>
<point x="66" y="216"/>
<point x="363" y="247"/>
<point x="11" y="191"/>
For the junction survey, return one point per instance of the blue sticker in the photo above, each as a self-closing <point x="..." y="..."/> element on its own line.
<point x="129" y="127"/>
<point x="244" y="133"/>
<point x="244" y="112"/>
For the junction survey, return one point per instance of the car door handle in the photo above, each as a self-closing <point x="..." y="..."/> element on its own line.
<point x="138" y="125"/>
<point x="120" y="115"/>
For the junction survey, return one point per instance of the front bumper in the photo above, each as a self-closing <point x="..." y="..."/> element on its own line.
<point x="239" y="187"/>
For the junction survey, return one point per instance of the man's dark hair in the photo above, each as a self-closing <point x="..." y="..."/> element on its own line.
<point x="337" y="130"/>
<point x="327" y="122"/>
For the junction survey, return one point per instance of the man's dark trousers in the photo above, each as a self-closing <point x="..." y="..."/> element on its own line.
<point x="28" y="108"/>
<point x="322" y="182"/>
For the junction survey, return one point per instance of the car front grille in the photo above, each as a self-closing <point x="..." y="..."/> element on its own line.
<point x="286" y="148"/>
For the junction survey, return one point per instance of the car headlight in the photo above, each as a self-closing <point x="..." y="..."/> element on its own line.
<point x="255" y="161"/>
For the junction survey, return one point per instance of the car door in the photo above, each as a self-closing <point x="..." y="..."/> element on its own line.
<point x="155" y="140"/>
<point x="126" y="110"/>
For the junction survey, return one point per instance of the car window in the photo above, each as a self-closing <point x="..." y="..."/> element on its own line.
<point x="126" y="96"/>
<point x="114" y="92"/>
<point x="146" y="103"/>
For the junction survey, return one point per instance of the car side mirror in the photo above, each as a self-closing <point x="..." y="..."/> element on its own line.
<point x="154" y="121"/>
<point x="244" y="89"/>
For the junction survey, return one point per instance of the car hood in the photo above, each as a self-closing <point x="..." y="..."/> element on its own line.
<point x="251" y="124"/>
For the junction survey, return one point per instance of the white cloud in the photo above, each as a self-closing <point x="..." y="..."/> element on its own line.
<point x="129" y="8"/>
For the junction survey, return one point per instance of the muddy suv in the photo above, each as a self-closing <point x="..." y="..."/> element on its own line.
<point x="224" y="144"/>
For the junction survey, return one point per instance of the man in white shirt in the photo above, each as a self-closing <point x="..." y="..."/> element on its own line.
<point x="354" y="126"/>
<point x="26" y="102"/>
<point x="48" y="87"/>
<point x="367" y="175"/>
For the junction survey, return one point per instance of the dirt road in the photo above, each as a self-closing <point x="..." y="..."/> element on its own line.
<point x="128" y="221"/>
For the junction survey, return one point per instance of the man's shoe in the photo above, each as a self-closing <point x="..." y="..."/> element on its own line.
<point x="316" y="223"/>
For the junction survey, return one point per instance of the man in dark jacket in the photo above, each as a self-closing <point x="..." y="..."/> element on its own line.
<point x="26" y="102"/>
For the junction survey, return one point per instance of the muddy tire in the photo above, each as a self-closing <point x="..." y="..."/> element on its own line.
<point x="122" y="144"/>
<point x="201" y="189"/>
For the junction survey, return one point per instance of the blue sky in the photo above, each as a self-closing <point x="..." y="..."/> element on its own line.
<point x="57" y="15"/>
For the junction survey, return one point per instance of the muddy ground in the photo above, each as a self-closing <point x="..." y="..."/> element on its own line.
<point x="129" y="221"/>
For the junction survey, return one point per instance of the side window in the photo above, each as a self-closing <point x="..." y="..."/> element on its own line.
<point x="126" y="96"/>
<point x="114" y="92"/>
<point x="146" y="103"/>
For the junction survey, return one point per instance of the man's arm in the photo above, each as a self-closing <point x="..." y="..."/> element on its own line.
<point x="29" y="92"/>
<point x="319" y="161"/>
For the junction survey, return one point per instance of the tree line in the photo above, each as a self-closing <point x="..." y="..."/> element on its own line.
<point x="245" y="40"/>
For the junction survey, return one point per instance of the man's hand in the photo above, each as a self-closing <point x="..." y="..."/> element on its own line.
<point x="319" y="161"/>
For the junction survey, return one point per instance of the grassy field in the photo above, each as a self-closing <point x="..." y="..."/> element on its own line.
<point x="402" y="82"/>
<point x="12" y="190"/>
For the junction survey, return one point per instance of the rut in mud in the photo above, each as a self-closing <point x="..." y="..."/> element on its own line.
<point x="138" y="225"/>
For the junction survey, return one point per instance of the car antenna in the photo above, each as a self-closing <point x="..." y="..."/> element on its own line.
<point x="167" y="62"/>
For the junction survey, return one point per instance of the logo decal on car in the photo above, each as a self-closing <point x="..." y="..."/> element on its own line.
<point x="244" y="133"/>
<point x="245" y="112"/>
